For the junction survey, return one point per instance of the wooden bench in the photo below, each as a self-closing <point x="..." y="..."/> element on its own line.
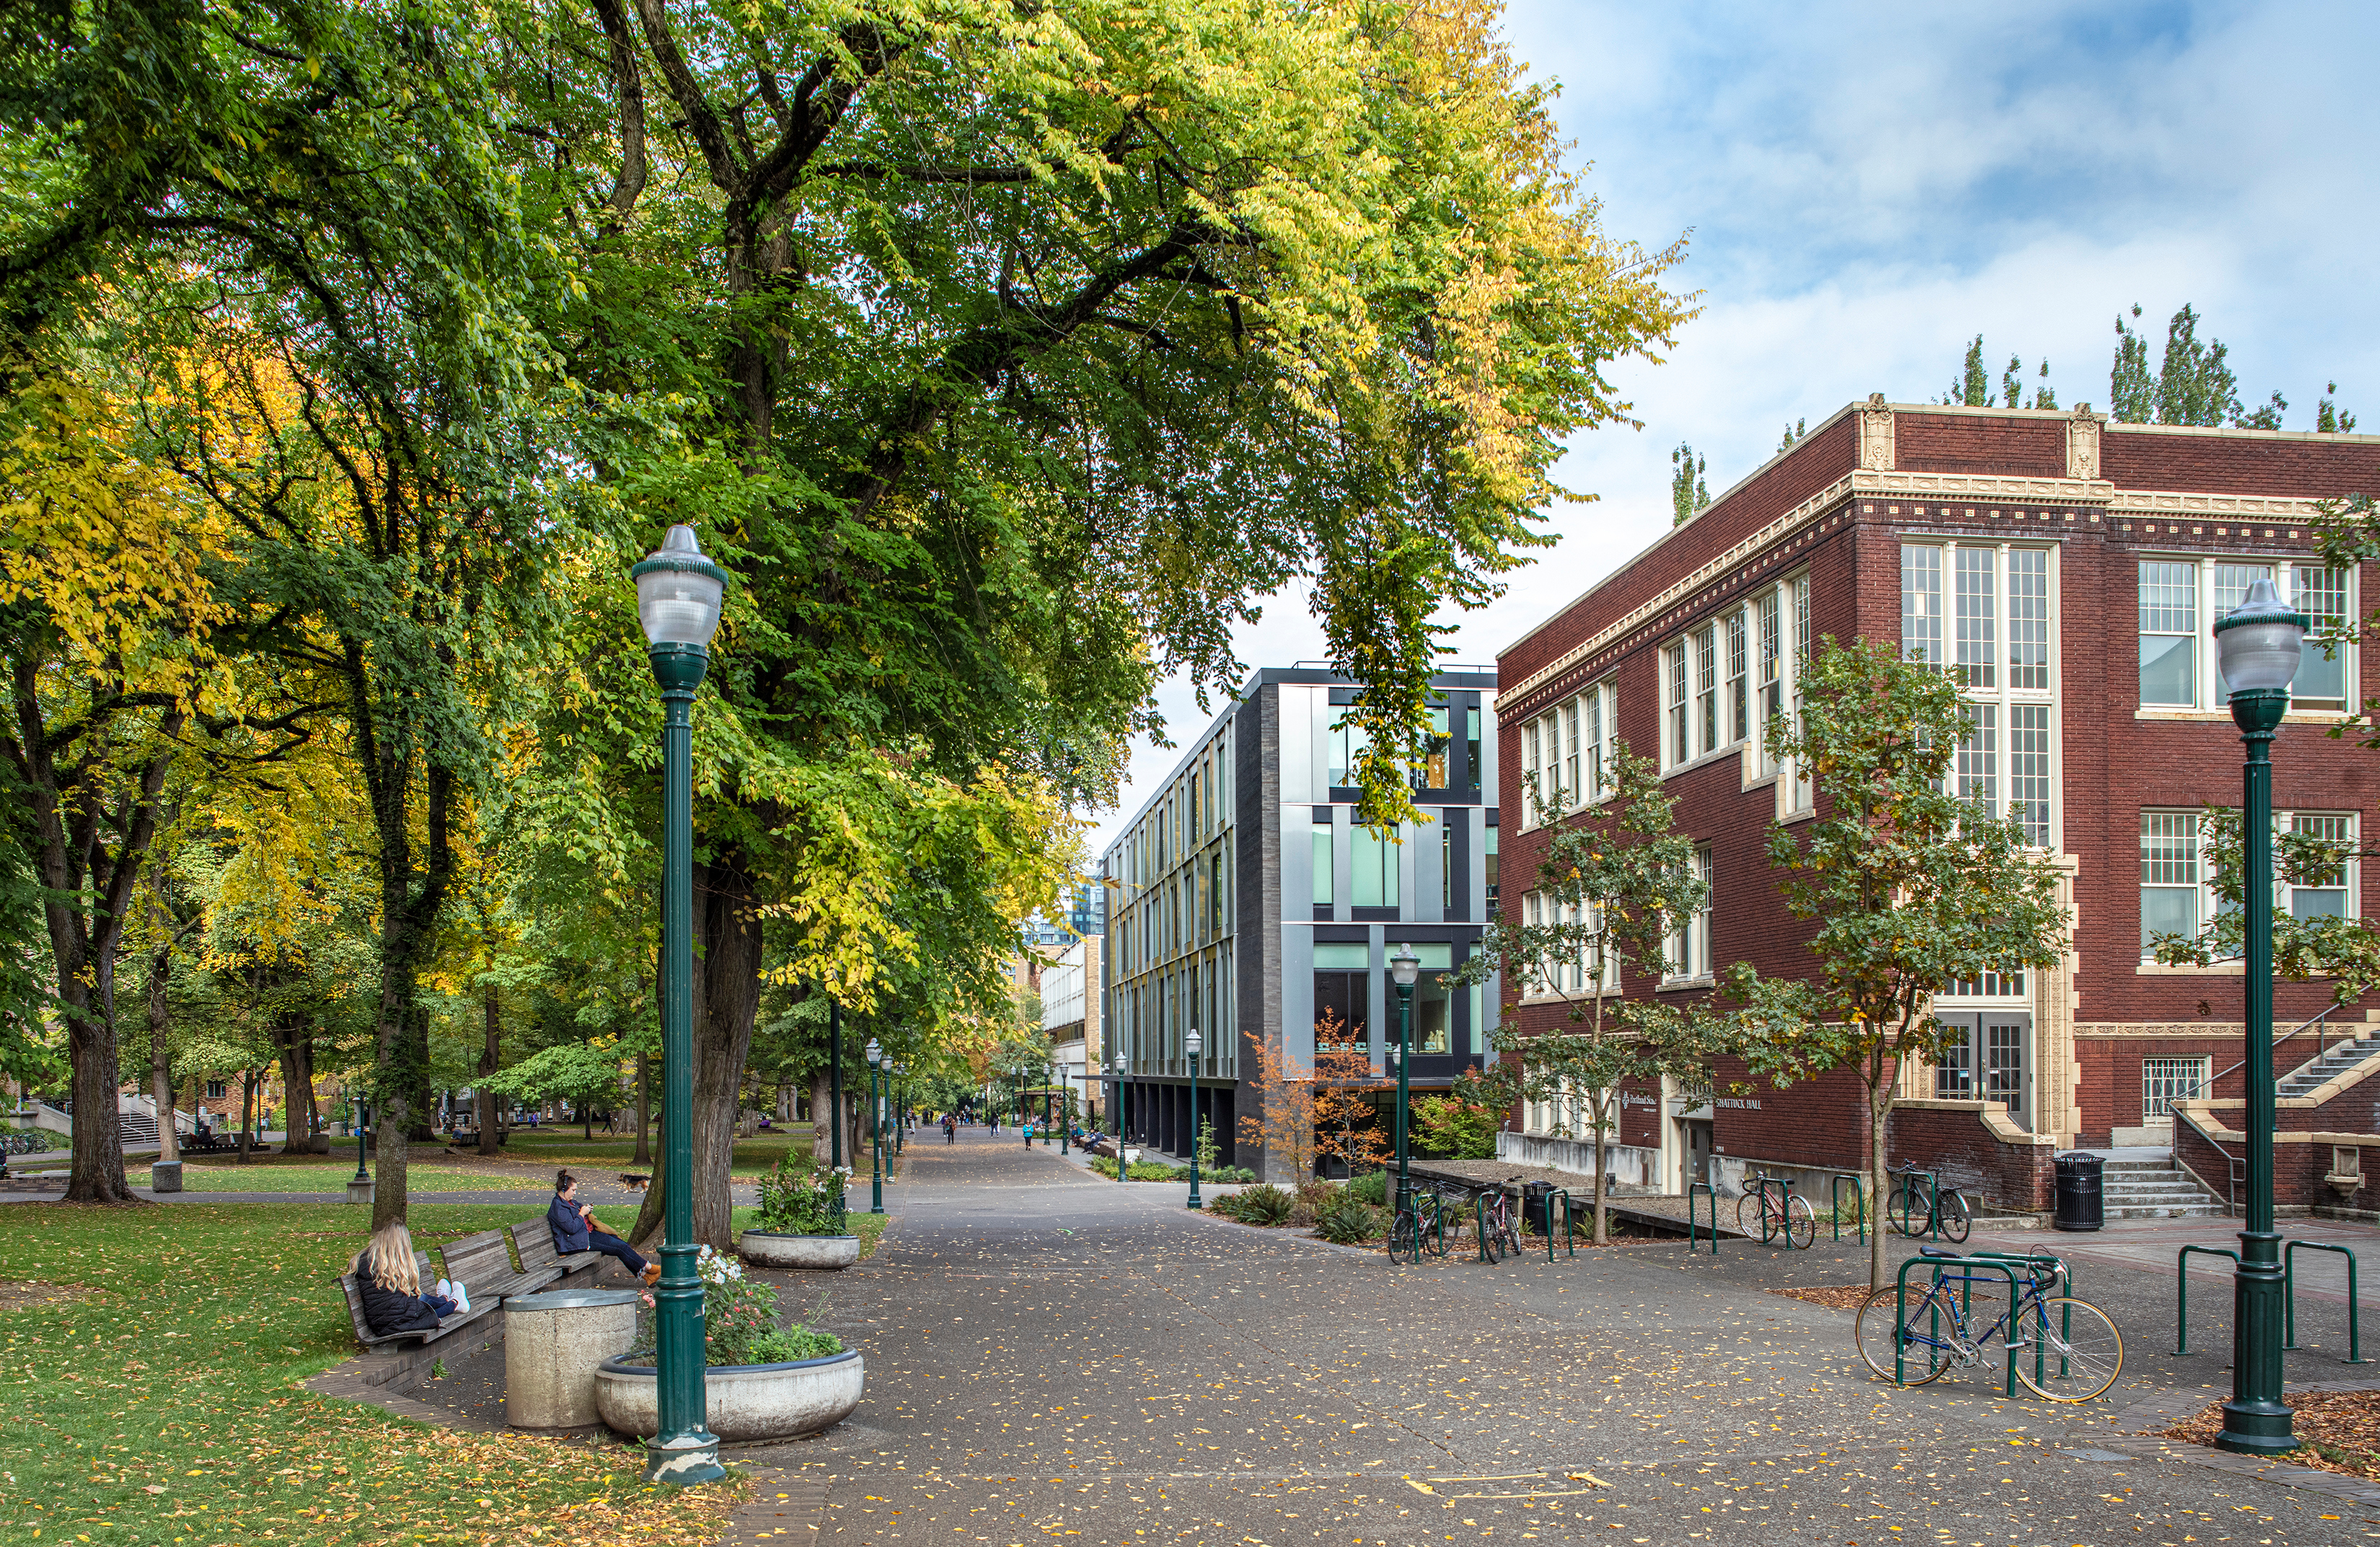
<point x="482" y="1264"/>
<point x="534" y="1239"/>
<point x="446" y="1327"/>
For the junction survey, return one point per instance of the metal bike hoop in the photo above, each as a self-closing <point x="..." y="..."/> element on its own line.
<point x="2289" y="1299"/>
<point x="2182" y="1290"/>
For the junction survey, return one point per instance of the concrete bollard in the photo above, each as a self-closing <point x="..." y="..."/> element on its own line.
<point x="165" y="1177"/>
<point x="553" y="1343"/>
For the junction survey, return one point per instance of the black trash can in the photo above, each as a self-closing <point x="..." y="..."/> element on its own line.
<point x="2079" y="1206"/>
<point x="1533" y="1203"/>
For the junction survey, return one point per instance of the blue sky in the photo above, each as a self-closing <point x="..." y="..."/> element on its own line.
<point x="1867" y="189"/>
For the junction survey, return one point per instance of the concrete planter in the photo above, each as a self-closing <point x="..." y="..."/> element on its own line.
<point x="767" y="1249"/>
<point x="744" y="1401"/>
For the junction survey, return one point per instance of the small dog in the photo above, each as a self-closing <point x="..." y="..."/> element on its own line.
<point x="635" y="1183"/>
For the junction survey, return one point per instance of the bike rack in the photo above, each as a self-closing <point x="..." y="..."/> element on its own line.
<point x="1570" y="1237"/>
<point x="2182" y="1290"/>
<point x="1859" y="1201"/>
<point x="1933" y="1201"/>
<point x="1901" y="1312"/>
<point x="1479" y="1208"/>
<point x="2290" y="1303"/>
<point x="1706" y="1190"/>
<point x="1784" y="1186"/>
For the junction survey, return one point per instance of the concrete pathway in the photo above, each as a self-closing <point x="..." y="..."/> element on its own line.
<point x="1053" y="1356"/>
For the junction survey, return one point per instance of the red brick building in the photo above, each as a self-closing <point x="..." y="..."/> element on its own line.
<point x="2072" y="567"/>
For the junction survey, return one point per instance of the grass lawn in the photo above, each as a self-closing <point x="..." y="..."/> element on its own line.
<point x="155" y="1403"/>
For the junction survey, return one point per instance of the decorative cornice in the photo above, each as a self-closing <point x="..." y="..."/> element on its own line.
<point x="1986" y="487"/>
<point x="2099" y="1031"/>
<point x="2151" y="501"/>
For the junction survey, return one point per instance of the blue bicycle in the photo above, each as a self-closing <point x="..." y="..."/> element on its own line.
<point x="2067" y="1350"/>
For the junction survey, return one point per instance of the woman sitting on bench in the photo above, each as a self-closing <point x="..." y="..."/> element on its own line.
<point x="575" y="1228"/>
<point x="388" y="1280"/>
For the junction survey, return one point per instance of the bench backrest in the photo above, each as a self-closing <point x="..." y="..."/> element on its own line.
<point x="480" y="1261"/>
<point x="534" y="1239"/>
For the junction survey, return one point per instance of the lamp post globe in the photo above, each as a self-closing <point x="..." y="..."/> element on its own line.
<point x="1404" y="970"/>
<point x="2258" y="646"/>
<point x="1191" y="1044"/>
<point x="679" y="594"/>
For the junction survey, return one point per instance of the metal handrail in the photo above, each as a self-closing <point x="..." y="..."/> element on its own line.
<point x="2320" y="1047"/>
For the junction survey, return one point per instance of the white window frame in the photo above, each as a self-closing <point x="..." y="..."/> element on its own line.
<point x="1567" y="750"/>
<point x="2166" y="1080"/>
<point x="2285" y="898"/>
<point x="1999" y="690"/>
<point x="2296" y="578"/>
<point x="1686" y="956"/>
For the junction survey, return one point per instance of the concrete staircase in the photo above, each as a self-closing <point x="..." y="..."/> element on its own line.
<point x="2153" y="1189"/>
<point x="2307" y="1079"/>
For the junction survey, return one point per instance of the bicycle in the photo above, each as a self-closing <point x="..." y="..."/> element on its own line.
<point x="1419" y="1226"/>
<point x="1498" y="1237"/>
<point x="2076" y="1351"/>
<point x="1920" y="1206"/>
<point x="1773" y="1208"/>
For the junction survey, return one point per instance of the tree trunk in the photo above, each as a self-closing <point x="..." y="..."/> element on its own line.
<point x="490" y="1049"/>
<point x="247" y="1112"/>
<point x="821" y="1120"/>
<point x="292" y="1040"/>
<point x="1879" y="1074"/>
<point x="644" y="1110"/>
<point x="1603" y="1230"/>
<point x="161" y="1061"/>
<point x="726" y="1001"/>
<point x="410" y="906"/>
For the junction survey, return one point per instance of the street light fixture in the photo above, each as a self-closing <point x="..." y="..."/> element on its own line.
<point x="1115" y="1112"/>
<point x="2258" y="646"/>
<point x="678" y="598"/>
<point x="875" y="1130"/>
<point x="1404" y="970"/>
<point x="1191" y="1043"/>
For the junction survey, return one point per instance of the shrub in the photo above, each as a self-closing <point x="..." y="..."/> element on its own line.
<point x="739" y="1318"/>
<point x="798" y="1203"/>
<point x="1348" y="1220"/>
<point x="1264" y="1205"/>
<point x="1314" y="1195"/>
<point x="1372" y="1188"/>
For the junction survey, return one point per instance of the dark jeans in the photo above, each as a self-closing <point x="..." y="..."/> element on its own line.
<point x="613" y="1246"/>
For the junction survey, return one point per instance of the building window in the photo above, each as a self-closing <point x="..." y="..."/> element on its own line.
<point x="2175" y="595"/>
<point x="2171" y="881"/>
<point x="1445" y="865"/>
<point x="215" y="1091"/>
<point x="2166" y="1080"/>
<point x="1690" y="942"/>
<point x="1489" y="859"/>
<point x="1324" y="853"/>
<point x="1220" y="923"/>
<point x="1954" y="1069"/>
<point x="1348" y="741"/>
<point x="1921" y="602"/>
<point x="1374" y="882"/>
<point x="1433" y="1002"/>
<point x="1772" y="658"/>
<point x="1991" y="985"/>
<point x="1436" y="748"/>
<point x="1707" y="689"/>
<point x="1343" y="998"/>
<point x="1997" y="592"/>
<point x="1674" y="674"/>
<point x="1739" y="686"/>
<point x="2326" y="895"/>
<point x="1574" y="786"/>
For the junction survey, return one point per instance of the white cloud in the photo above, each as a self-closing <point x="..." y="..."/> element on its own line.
<point x="1870" y="189"/>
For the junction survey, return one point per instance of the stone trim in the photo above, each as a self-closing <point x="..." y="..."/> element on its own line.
<point x="2114" y="1030"/>
<point x="1994" y="1114"/>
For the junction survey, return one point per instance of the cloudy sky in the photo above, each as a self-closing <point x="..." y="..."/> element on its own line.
<point x="1867" y="189"/>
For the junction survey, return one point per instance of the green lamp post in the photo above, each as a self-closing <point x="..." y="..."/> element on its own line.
<point x="1191" y="1043"/>
<point x="678" y="596"/>
<point x="1404" y="970"/>
<point x="897" y="1088"/>
<point x="1115" y="1113"/>
<point x="2258" y="646"/>
<point x="875" y="1129"/>
<point x="1064" y="1089"/>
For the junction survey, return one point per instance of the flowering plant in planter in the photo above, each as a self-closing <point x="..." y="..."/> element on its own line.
<point x="739" y="1321"/>
<point x="799" y="1203"/>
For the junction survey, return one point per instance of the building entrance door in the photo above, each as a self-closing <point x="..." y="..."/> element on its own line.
<point x="1987" y="1056"/>
<point x="1698" y="1150"/>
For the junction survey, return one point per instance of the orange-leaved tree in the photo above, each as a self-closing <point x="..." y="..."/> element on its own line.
<point x="1284" y="1126"/>
<point x="1346" y="1118"/>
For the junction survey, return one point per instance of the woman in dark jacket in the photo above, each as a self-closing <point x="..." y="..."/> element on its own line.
<point x="575" y="1228"/>
<point x="389" y="1281"/>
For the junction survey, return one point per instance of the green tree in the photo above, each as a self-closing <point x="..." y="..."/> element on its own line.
<point x="580" y="1073"/>
<point x="2344" y="950"/>
<point x="1689" y="492"/>
<point x="1796" y="430"/>
<point x="2328" y="420"/>
<point x="2194" y="383"/>
<point x="1972" y="388"/>
<point x="1610" y="886"/>
<point x="1912" y="888"/>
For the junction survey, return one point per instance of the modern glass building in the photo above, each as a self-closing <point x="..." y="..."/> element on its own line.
<point x="1244" y="903"/>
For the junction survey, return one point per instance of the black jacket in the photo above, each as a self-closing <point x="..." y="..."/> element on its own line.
<point x="392" y="1310"/>
<point x="569" y="1226"/>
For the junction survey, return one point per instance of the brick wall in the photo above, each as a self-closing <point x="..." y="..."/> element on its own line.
<point x="1972" y="442"/>
<point x="2001" y="1176"/>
